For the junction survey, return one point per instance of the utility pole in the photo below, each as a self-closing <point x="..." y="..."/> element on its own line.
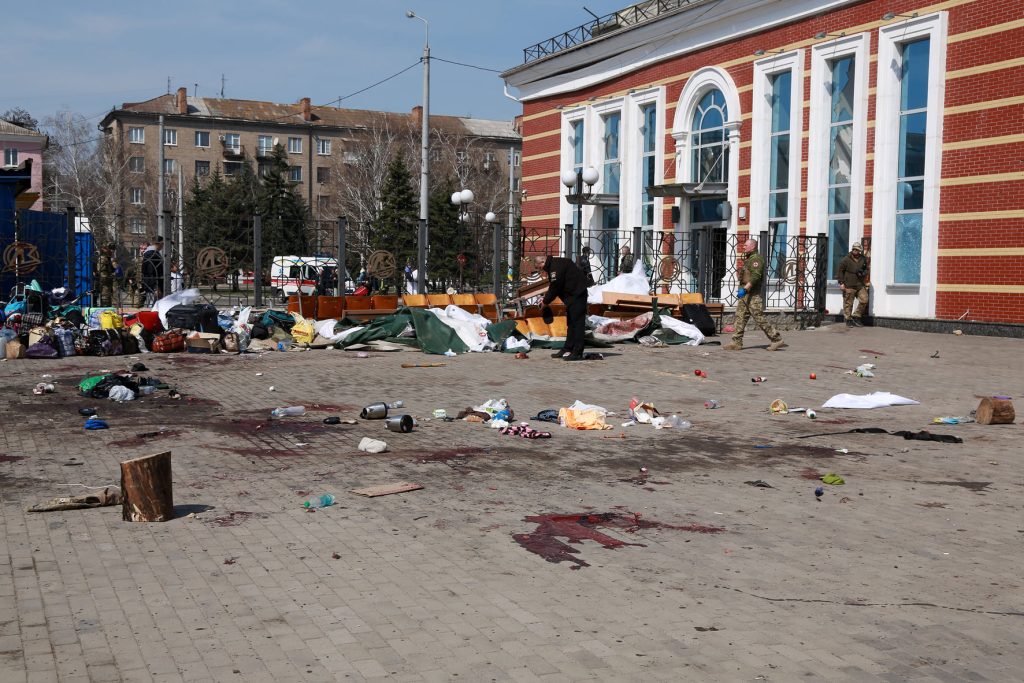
<point x="161" y="217"/>
<point x="424" y="228"/>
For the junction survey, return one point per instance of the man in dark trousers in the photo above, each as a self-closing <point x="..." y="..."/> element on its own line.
<point x="566" y="282"/>
<point x="153" y="270"/>
<point x="852" y="275"/>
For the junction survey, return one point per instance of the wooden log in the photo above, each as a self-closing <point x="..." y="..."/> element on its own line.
<point x="146" y="489"/>
<point x="995" y="411"/>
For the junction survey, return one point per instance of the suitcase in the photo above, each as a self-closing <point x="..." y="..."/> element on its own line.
<point x="698" y="316"/>
<point x="65" y="342"/>
<point x="198" y="317"/>
<point x="168" y="342"/>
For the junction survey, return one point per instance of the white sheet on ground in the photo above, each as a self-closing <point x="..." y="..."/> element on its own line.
<point x="626" y="283"/>
<point x="471" y="328"/>
<point x="516" y="344"/>
<point x="161" y="307"/>
<point x="879" y="399"/>
<point x="685" y="329"/>
<point x="325" y="328"/>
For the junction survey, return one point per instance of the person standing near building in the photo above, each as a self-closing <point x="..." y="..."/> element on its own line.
<point x="852" y="275"/>
<point x="750" y="303"/>
<point x="153" y="270"/>
<point x="139" y="290"/>
<point x="626" y="260"/>
<point x="566" y="282"/>
<point x="105" y="274"/>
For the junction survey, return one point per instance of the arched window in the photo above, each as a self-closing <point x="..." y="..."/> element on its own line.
<point x="710" y="140"/>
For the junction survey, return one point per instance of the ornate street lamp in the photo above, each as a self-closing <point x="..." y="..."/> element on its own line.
<point x="574" y="181"/>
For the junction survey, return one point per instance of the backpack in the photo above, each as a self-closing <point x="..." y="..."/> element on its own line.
<point x="198" y="317"/>
<point x="698" y="316"/>
<point x="277" y="319"/>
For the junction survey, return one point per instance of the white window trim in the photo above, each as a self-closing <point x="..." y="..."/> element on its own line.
<point x="760" y="150"/>
<point x="141" y="140"/>
<point x="568" y="210"/>
<point x="595" y="143"/>
<point x="696" y="86"/>
<point x="131" y="197"/>
<point x="297" y="151"/>
<point x="633" y="156"/>
<point x="323" y="147"/>
<point x="907" y="300"/>
<point x="11" y="156"/>
<point x="196" y="137"/>
<point x="172" y="133"/>
<point x="820" y="123"/>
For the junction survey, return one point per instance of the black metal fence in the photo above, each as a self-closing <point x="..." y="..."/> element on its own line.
<point x="705" y="260"/>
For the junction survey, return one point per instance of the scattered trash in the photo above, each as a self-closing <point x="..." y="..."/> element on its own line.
<point x="650" y="341"/>
<point x="763" y="445"/>
<point x="593" y="356"/>
<point x="43" y="388"/>
<point x="372" y="445"/>
<point x="259" y="374"/>
<point x="440" y="414"/>
<point x="121" y="394"/>
<point x="387" y="489"/>
<point x="402" y="424"/>
<point x="759" y="483"/>
<point x="450" y="353"/>
<point x="379" y="410"/>
<point x="524" y="430"/>
<point x="819" y="492"/>
<point x="915" y="436"/>
<point x="778" y="406"/>
<point x="109" y="496"/>
<point x="958" y="332"/>
<point x="833" y="479"/>
<point x="704" y="628"/>
<point x="272" y="388"/>
<point x="321" y="501"/>
<point x="95" y="423"/>
<point x="548" y="415"/>
<point x="642" y="411"/>
<point x="878" y="399"/>
<point x="844" y="451"/>
<point x="86" y="411"/>
<point x="332" y="420"/>
<point x="291" y="411"/>
<point x="139" y="367"/>
<point x="863" y="370"/>
<point x="520" y="355"/>
<point x="423" y="365"/>
<point x="174" y="394"/>
<point x="811" y="414"/>
<point x="670" y="422"/>
<point x="813" y="376"/>
<point x="758" y="380"/>
<point x="700" y="373"/>
<point x="583" y="416"/>
<point x="362" y="354"/>
<point x="952" y="420"/>
<point x="934" y="355"/>
<point x="712" y="403"/>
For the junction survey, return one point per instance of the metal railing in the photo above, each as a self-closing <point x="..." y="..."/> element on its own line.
<point x="609" y="23"/>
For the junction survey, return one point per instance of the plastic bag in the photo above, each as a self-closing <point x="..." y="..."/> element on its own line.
<point x="121" y="394"/>
<point x="302" y="330"/>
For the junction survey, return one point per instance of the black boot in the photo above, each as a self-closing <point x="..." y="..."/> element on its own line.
<point x="559" y="353"/>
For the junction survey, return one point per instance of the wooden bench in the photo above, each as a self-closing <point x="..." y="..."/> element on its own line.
<point x="369" y="307"/>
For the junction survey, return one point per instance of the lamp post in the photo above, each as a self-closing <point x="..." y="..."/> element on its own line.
<point x="421" y="279"/>
<point x="574" y="182"/>
<point x="462" y="200"/>
<point x="491" y="219"/>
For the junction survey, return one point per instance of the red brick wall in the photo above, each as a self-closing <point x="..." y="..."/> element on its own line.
<point x="1007" y="194"/>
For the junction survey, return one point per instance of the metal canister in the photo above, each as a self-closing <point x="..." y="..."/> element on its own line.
<point x="374" y="411"/>
<point x="399" y="423"/>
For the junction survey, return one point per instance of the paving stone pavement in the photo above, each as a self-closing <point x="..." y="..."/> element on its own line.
<point x="910" y="571"/>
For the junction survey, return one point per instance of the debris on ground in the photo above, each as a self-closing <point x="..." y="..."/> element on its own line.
<point x="387" y="489"/>
<point x="759" y="483"/>
<point x="110" y="495"/>
<point x="833" y="479"/>
<point x="372" y="445"/>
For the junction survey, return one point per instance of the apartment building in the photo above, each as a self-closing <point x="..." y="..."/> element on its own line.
<point x="896" y="123"/>
<point x="19" y="145"/>
<point x="203" y="135"/>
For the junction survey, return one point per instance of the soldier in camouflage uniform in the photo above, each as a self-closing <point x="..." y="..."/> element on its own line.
<point x="852" y="275"/>
<point x="751" y="303"/>
<point x="105" y="274"/>
<point x="140" y="291"/>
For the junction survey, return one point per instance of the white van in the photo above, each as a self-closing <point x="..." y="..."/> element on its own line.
<point x="292" y="274"/>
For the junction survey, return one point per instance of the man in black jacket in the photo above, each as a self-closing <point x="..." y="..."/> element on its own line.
<point x="566" y="282"/>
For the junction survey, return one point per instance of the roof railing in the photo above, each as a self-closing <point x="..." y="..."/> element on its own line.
<point x="610" y="23"/>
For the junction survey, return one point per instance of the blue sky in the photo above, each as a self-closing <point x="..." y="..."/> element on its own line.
<point x="89" y="56"/>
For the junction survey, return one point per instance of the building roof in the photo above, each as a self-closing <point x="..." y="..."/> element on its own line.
<point x="256" y="111"/>
<point x="8" y="128"/>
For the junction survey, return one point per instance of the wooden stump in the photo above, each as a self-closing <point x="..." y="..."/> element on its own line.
<point x="146" y="489"/>
<point x="995" y="411"/>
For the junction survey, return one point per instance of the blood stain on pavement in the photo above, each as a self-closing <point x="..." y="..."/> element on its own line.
<point x="576" y="528"/>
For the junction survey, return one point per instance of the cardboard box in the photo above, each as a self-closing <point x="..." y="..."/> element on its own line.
<point x="203" y="342"/>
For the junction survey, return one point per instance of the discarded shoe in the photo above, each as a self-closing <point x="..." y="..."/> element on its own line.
<point x="733" y="346"/>
<point x="574" y="356"/>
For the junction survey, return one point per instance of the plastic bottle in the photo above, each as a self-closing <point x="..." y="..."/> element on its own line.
<point x="711" y="403"/>
<point x="395" y="405"/>
<point x="291" y="411"/>
<point x="146" y="390"/>
<point x="284" y="345"/>
<point x="676" y="422"/>
<point x="321" y="501"/>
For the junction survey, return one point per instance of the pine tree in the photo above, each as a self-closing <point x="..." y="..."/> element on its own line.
<point x="396" y="225"/>
<point x="445" y="237"/>
<point x="283" y="210"/>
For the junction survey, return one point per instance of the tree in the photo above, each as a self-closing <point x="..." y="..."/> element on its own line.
<point x="446" y="240"/>
<point x="395" y="227"/>
<point x="284" y="212"/>
<point x="20" y="117"/>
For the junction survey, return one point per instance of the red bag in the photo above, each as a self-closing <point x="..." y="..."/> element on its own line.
<point x="151" y="321"/>
<point x="168" y="342"/>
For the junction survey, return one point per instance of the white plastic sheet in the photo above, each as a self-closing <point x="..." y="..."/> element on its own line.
<point x="325" y="328"/>
<point x="471" y="328"/>
<point x="878" y="399"/>
<point x="635" y="282"/>
<point x="171" y="300"/>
